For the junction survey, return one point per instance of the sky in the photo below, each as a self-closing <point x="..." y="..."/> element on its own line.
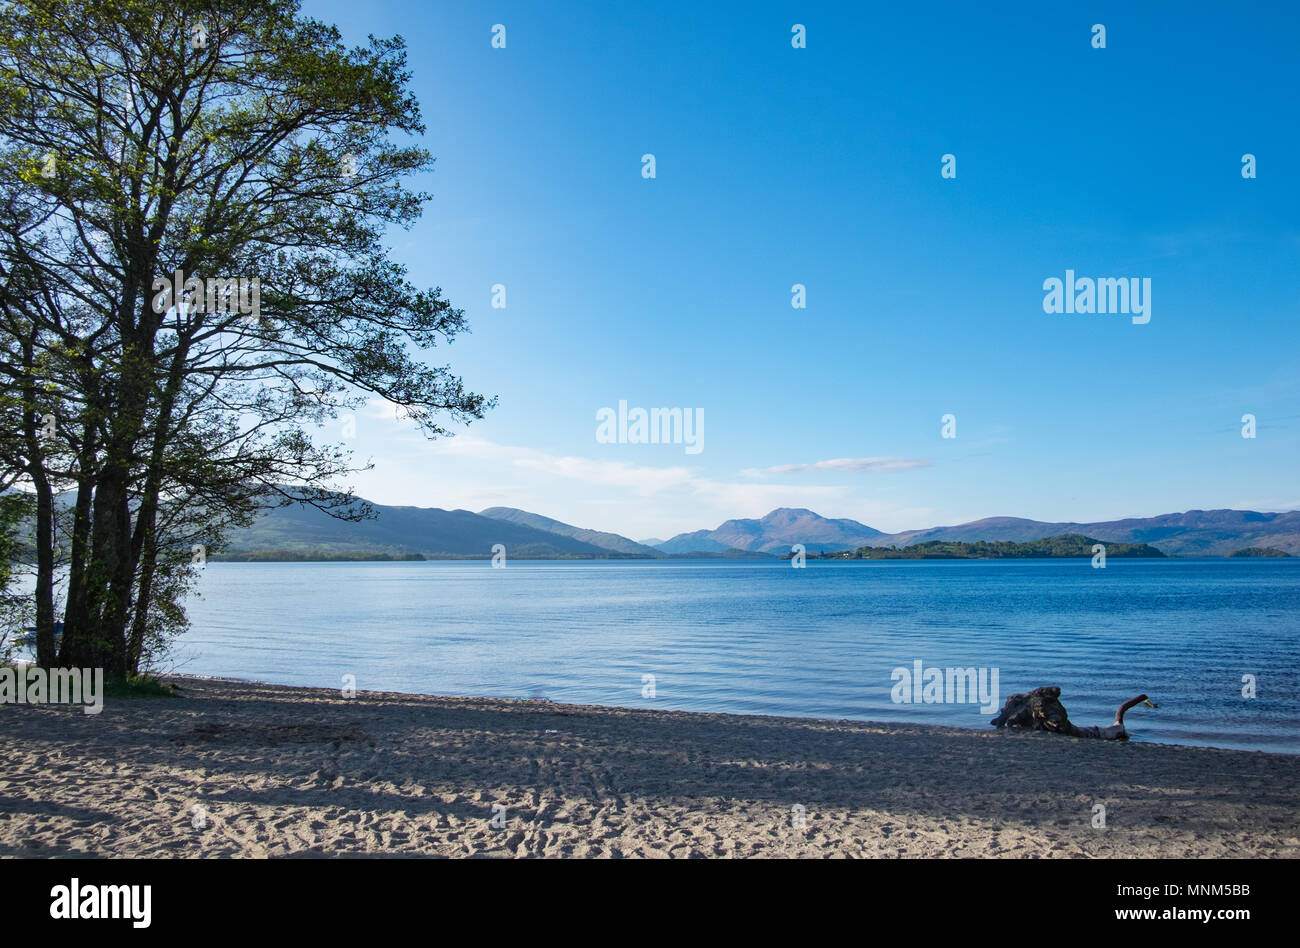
<point x="823" y="166"/>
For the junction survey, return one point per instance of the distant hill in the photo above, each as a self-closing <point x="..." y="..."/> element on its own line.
<point x="1259" y="551"/>
<point x="1191" y="533"/>
<point x="402" y="530"/>
<point x="606" y="541"/>
<point x="433" y="532"/>
<point x="776" y="533"/>
<point x="1065" y="546"/>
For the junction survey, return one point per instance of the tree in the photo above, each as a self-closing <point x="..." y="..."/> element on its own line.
<point x="241" y="152"/>
<point x="15" y="609"/>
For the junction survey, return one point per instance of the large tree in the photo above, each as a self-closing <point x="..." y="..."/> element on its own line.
<point x="246" y="148"/>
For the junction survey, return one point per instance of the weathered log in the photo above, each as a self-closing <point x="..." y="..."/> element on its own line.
<point x="1041" y="710"/>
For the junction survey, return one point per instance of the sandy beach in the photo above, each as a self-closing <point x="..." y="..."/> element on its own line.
<point x="239" y="769"/>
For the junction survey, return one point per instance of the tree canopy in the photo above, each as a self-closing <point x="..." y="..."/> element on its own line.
<point x="194" y="198"/>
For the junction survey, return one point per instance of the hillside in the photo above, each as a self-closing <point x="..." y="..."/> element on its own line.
<point x="1191" y="533"/>
<point x="434" y="532"/>
<point x="776" y="533"/>
<point x="606" y="541"/>
<point x="403" y="530"/>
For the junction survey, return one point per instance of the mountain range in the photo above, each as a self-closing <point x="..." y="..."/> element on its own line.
<point x="460" y="533"/>
<point x="403" y="530"/>
<point x="1191" y="533"/>
<point x="607" y="541"/>
<point x="776" y="533"/>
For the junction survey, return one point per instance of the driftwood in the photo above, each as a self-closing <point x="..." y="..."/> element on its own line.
<point x="1041" y="710"/>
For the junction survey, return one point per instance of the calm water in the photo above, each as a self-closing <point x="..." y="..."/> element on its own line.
<point x="765" y="638"/>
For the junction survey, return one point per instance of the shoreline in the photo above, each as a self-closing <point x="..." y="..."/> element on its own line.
<point x="872" y="722"/>
<point x="271" y="770"/>
<point x="776" y="558"/>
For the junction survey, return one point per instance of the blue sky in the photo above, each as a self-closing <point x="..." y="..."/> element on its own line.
<point x="821" y="166"/>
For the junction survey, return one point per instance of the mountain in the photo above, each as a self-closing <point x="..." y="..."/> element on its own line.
<point x="401" y="530"/>
<point x="776" y="533"/>
<point x="459" y="533"/>
<point x="1191" y="533"/>
<point x="606" y="541"/>
<point x="697" y="542"/>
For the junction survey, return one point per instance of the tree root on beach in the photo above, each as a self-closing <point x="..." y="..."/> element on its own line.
<point x="1041" y="710"/>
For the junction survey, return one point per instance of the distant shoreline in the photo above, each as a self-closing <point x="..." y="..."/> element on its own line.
<point x="769" y="557"/>
<point x="1063" y="546"/>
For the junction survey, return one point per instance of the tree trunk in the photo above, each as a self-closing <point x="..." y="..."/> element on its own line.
<point x="102" y="642"/>
<point x="45" y="645"/>
<point x="111" y="573"/>
<point x="75" y="613"/>
<point x="46" y="648"/>
<point x="1041" y="710"/>
<point x="140" y="623"/>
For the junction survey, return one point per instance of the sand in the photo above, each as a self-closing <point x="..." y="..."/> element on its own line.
<point x="241" y="769"/>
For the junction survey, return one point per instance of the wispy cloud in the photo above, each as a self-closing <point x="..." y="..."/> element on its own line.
<point x="642" y="479"/>
<point x="608" y="493"/>
<point x="842" y="465"/>
<point x="639" y="478"/>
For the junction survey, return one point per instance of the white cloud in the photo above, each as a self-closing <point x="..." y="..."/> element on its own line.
<point x="842" y="465"/>
<point x="643" y="480"/>
<point x="471" y="472"/>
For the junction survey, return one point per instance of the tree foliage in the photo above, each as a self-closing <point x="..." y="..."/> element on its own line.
<point x="1063" y="546"/>
<point x="244" y="147"/>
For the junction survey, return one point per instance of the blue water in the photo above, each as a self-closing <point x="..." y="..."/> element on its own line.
<point x="762" y="637"/>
